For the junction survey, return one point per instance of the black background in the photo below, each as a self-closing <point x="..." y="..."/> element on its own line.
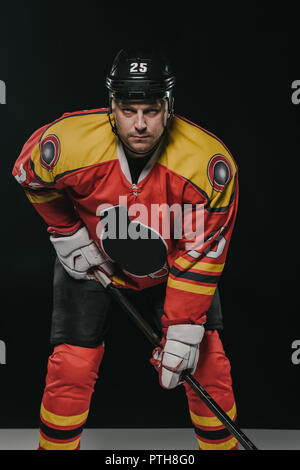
<point x="234" y="67"/>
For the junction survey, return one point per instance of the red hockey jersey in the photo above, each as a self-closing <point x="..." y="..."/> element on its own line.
<point x="179" y="215"/>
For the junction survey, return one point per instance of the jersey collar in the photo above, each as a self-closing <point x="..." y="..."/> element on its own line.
<point x="147" y="168"/>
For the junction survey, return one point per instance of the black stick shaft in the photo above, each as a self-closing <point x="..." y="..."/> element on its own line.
<point x="219" y="412"/>
<point x="198" y="389"/>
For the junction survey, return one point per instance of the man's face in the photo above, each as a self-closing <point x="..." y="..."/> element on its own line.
<point x="140" y="124"/>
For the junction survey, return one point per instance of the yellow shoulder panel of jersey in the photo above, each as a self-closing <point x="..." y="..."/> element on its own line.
<point x="74" y="141"/>
<point x="200" y="157"/>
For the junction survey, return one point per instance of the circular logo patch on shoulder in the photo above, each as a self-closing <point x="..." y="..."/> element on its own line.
<point x="219" y="172"/>
<point x="49" y="151"/>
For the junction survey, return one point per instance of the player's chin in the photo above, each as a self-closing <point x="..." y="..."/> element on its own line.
<point x="141" y="147"/>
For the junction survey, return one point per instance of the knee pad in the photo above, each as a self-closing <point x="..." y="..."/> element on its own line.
<point x="70" y="380"/>
<point x="213" y="366"/>
<point x="73" y="365"/>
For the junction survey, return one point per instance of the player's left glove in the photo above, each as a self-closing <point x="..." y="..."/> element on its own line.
<point x="180" y="352"/>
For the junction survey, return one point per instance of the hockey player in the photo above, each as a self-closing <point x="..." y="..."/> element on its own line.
<point x="95" y="176"/>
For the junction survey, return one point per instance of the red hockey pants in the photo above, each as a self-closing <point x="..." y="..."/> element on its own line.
<point x="71" y="376"/>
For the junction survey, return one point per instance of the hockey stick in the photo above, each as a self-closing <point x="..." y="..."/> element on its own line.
<point x="189" y="379"/>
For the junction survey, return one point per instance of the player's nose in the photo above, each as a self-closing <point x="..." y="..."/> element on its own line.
<point x="140" y="123"/>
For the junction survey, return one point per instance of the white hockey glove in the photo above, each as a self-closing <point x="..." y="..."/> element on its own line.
<point x="180" y="352"/>
<point x="78" y="254"/>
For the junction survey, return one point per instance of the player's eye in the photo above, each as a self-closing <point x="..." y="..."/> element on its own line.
<point x="152" y="111"/>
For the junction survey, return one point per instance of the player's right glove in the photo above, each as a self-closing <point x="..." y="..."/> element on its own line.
<point x="78" y="254"/>
<point x="180" y="352"/>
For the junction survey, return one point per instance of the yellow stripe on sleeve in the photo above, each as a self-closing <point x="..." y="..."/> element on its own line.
<point x="41" y="198"/>
<point x="195" y="288"/>
<point x="201" y="265"/>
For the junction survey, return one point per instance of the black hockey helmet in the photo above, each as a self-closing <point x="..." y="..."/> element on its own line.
<point x="141" y="75"/>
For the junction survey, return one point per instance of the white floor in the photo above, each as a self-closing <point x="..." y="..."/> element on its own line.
<point x="149" y="439"/>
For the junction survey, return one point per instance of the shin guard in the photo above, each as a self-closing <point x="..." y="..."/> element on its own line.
<point x="213" y="373"/>
<point x="70" y="380"/>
